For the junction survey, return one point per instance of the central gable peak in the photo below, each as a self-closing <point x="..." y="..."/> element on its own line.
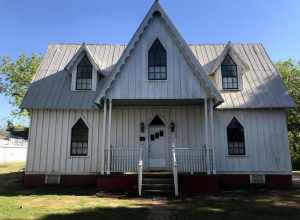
<point x="154" y="15"/>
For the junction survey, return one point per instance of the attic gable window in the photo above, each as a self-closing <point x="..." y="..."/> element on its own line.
<point x="235" y="138"/>
<point x="229" y="74"/>
<point x="84" y="74"/>
<point x="157" y="62"/>
<point x="79" y="139"/>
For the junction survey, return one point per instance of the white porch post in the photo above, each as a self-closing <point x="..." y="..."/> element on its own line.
<point x="206" y="135"/>
<point x="212" y="135"/>
<point x="103" y="137"/>
<point x="108" y="135"/>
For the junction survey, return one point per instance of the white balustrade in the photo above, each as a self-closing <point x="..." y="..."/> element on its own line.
<point x="175" y="171"/>
<point x="193" y="159"/>
<point x="123" y="159"/>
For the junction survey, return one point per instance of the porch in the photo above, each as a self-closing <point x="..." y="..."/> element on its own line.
<point x="172" y="138"/>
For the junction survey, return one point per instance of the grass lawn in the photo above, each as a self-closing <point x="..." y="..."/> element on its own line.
<point x="51" y="203"/>
<point x="296" y="172"/>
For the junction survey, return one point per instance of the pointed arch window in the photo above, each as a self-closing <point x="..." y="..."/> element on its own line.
<point x="157" y="62"/>
<point x="84" y="74"/>
<point x="235" y="138"/>
<point x="79" y="139"/>
<point x="229" y="73"/>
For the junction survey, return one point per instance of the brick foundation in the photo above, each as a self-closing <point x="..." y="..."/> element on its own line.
<point x="117" y="183"/>
<point x="33" y="180"/>
<point x="194" y="184"/>
<point x="234" y="181"/>
<point x="279" y="181"/>
<point x="78" y="180"/>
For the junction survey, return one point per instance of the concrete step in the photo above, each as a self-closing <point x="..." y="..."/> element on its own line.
<point x="152" y="192"/>
<point x="157" y="180"/>
<point x="157" y="175"/>
<point x="158" y="186"/>
<point x="158" y="183"/>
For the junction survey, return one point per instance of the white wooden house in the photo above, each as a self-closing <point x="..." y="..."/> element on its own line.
<point x="208" y="115"/>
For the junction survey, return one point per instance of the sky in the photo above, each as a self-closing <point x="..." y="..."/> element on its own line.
<point x="29" y="26"/>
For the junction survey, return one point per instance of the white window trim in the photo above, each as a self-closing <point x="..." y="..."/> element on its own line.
<point x="74" y="75"/>
<point x="240" y="76"/>
<point x="89" y="138"/>
<point x="147" y="47"/>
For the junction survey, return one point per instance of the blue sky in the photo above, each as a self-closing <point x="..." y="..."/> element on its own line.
<point x="29" y="26"/>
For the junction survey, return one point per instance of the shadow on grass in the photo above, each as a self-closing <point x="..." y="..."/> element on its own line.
<point x="207" y="208"/>
<point x="102" y="213"/>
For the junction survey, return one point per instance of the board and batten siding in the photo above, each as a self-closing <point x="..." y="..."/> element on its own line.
<point x="49" y="142"/>
<point x="266" y="142"/>
<point x="265" y="137"/>
<point x="132" y="81"/>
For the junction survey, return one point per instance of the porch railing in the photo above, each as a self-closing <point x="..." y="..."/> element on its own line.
<point x="188" y="159"/>
<point x="175" y="171"/>
<point x="123" y="159"/>
<point x="140" y="172"/>
<point x="194" y="159"/>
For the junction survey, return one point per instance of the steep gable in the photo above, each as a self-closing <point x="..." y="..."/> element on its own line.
<point x="157" y="13"/>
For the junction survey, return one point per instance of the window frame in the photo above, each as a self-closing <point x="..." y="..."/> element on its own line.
<point x="240" y="148"/>
<point x="82" y="78"/>
<point x="87" y="141"/>
<point x="162" y="69"/>
<point x="94" y="75"/>
<point x="233" y="77"/>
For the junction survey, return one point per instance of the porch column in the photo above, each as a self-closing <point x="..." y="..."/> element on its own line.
<point x="108" y="135"/>
<point x="206" y="135"/>
<point x="103" y="137"/>
<point x="212" y="135"/>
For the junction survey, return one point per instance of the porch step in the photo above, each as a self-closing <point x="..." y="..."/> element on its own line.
<point x="158" y="183"/>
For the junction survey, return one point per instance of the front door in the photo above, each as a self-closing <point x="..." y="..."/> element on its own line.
<point x="157" y="146"/>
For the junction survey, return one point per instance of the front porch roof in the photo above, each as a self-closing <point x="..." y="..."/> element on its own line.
<point x="156" y="102"/>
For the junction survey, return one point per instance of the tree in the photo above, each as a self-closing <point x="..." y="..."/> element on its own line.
<point x="15" y="78"/>
<point x="290" y="72"/>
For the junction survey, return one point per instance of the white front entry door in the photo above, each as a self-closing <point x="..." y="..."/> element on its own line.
<point x="157" y="147"/>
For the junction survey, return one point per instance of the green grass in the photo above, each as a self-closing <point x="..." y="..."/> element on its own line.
<point x="51" y="203"/>
<point x="296" y="172"/>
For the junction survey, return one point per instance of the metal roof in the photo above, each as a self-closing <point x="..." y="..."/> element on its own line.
<point x="51" y="86"/>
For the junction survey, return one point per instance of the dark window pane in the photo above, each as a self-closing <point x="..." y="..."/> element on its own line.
<point x="229" y="74"/>
<point x="161" y="133"/>
<point x="157" y="62"/>
<point x="235" y="138"/>
<point x="156" y="135"/>
<point x="79" y="139"/>
<point x="84" y="74"/>
<point x="152" y="137"/>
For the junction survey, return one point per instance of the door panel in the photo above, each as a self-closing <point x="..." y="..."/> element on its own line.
<point x="157" y="145"/>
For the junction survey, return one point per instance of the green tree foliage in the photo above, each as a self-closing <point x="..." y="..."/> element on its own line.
<point x="15" y="78"/>
<point x="290" y="72"/>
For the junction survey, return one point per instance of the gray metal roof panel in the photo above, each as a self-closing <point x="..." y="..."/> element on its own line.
<point x="50" y="88"/>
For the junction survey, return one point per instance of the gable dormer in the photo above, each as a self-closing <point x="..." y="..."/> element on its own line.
<point x="84" y="71"/>
<point x="227" y="70"/>
<point x="229" y="74"/>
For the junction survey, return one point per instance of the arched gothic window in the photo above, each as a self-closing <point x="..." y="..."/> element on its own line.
<point x="235" y="138"/>
<point x="84" y="74"/>
<point x="79" y="139"/>
<point x="157" y="62"/>
<point x="229" y="73"/>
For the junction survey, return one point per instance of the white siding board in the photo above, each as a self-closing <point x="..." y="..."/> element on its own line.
<point x="265" y="136"/>
<point x="264" y="142"/>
